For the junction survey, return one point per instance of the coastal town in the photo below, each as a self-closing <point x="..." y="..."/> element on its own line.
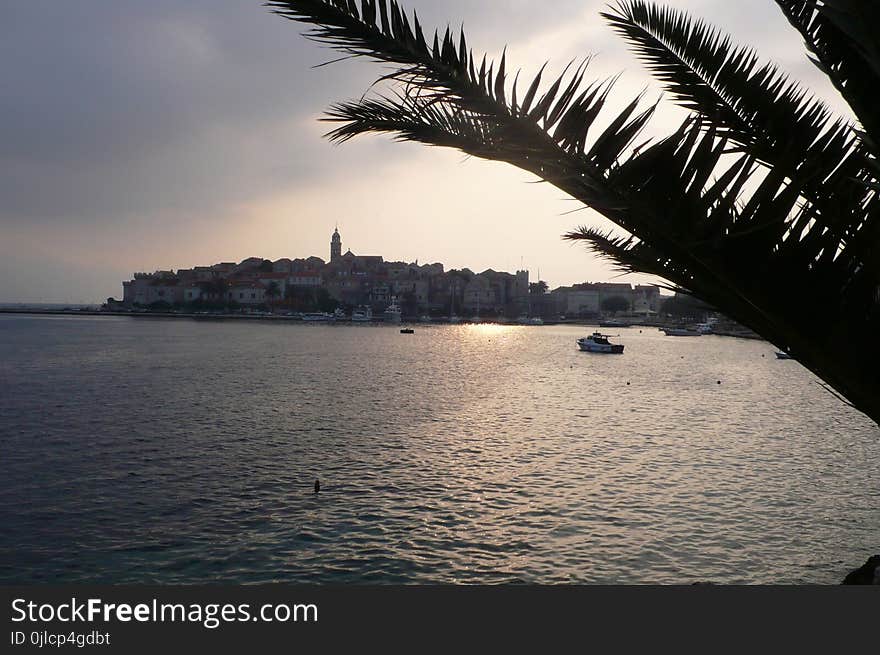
<point x="348" y="283"/>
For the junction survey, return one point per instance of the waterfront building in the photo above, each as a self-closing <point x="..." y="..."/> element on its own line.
<point x="586" y="300"/>
<point x="309" y="279"/>
<point x="247" y="293"/>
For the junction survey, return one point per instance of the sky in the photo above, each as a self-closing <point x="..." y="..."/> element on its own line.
<point x="142" y="136"/>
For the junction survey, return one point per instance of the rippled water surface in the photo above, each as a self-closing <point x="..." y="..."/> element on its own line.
<point x="146" y="450"/>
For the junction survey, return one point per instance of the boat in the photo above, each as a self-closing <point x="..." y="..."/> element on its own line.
<point x="783" y="355"/>
<point x="425" y="319"/>
<point x="599" y="343"/>
<point x="530" y="320"/>
<point x="339" y="314"/>
<point x="614" y="324"/>
<point x="407" y="331"/>
<point x="362" y="315"/>
<point x="392" y="313"/>
<point x="318" y="317"/>
<point x="681" y="332"/>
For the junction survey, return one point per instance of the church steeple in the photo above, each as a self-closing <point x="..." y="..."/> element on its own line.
<point x="335" y="246"/>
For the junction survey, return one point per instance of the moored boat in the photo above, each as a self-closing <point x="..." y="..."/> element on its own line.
<point x="362" y="315"/>
<point x="392" y="313"/>
<point x="318" y="317"/>
<point x="682" y="332"/>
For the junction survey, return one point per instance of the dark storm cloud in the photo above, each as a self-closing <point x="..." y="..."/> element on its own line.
<point x="126" y="106"/>
<point x="114" y="108"/>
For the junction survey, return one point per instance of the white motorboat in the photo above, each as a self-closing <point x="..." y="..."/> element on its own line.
<point x="682" y="332"/>
<point x="599" y="343"/>
<point x="392" y="313"/>
<point x="318" y="317"/>
<point x="362" y="315"/>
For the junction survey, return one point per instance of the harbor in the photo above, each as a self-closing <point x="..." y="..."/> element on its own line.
<point x="466" y="453"/>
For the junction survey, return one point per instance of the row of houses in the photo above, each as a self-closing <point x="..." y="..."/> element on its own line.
<point x="356" y="280"/>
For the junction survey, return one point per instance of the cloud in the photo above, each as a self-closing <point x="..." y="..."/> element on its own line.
<point x="170" y="133"/>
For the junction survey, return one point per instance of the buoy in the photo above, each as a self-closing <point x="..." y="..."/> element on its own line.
<point x="317" y="486"/>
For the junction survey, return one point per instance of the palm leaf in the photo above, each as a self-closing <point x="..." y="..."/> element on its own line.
<point x="841" y="37"/>
<point x="760" y="204"/>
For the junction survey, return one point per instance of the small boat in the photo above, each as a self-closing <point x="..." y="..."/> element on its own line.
<point x="392" y="313"/>
<point x="599" y="343"/>
<point x="530" y="320"/>
<point x="362" y="315"/>
<point x="614" y="324"/>
<point x="682" y="332"/>
<point x="455" y="319"/>
<point x="425" y="319"/>
<point x="407" y="331"/>
<point x="340" y="314"/>
<point x="318" y="317"/>
<point x="783" y="355"/>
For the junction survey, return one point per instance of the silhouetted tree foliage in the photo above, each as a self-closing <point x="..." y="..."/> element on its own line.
<point x="762" y="202"/>
<point x="538" y="288"/>
<point x="310" y="299"/>
<point x="615" y="304"/>
<point x="682" y="307"/>
<point x="273" y="291"/>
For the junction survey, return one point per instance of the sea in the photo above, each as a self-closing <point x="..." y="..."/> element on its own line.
<point x="148" y="450"/>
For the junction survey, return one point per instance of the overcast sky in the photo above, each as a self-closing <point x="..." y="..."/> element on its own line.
<point x="167" y="134"/>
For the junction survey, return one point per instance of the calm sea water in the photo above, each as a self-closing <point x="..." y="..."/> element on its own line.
<point x="174" y="451"/>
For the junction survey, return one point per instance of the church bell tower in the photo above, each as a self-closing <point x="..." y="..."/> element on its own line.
<point x="335" y="246"/>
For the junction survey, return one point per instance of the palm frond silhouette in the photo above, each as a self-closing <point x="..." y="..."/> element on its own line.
<point x="763" y="202"/>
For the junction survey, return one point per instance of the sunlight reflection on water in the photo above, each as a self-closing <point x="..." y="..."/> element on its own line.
<point x="177" y="451"/>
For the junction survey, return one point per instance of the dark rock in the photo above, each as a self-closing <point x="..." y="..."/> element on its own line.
<point x="868" y="573"/>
